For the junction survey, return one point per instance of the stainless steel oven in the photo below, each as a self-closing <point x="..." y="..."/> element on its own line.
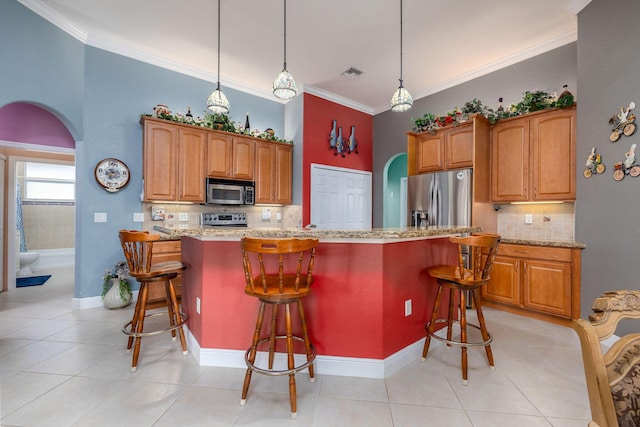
<point x="228" y="192"/>
<point x="210" y="219"/>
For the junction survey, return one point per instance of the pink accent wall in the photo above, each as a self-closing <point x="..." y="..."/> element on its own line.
<point x="28" y="123"/>
<point x="318" y="118"/>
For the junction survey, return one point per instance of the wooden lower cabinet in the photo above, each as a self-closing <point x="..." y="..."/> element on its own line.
<point x="542" y="282"/>
<point x="165" y="250"/>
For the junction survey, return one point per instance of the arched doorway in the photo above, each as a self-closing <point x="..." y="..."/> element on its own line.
<point x="27" y="132"/>
<point x="393" y="205"/>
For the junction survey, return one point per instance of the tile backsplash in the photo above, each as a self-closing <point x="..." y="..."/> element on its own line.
<point x="550" y="222"/>
<point x="290" y="216"/>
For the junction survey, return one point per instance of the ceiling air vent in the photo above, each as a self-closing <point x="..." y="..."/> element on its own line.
<point x="351" y="73"/>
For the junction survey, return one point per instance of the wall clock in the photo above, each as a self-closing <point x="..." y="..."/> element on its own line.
<point x="112" y="174"/>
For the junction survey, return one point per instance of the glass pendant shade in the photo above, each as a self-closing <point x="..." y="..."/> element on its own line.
<point x="401" y="100"/>
<point x="217" y="103"/>
<point x="284" y="87"/>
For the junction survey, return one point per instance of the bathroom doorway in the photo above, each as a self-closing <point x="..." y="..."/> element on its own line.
<point x="44" y="218"/>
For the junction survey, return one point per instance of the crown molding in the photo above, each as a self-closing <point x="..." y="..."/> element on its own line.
<point x="329" y="96"/>
<point x="44" y="11"/>
<point x="577" y="5"/>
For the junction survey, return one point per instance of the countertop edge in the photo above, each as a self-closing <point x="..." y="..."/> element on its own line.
<point x="557" y="244"/>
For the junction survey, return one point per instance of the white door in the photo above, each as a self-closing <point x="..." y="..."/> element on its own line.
<point x="340" y="198"/>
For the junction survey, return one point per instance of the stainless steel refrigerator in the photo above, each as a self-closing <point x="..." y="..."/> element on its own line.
<point x="439" y="199"/>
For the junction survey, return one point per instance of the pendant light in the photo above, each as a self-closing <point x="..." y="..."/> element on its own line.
<point x="284" y="87"/>
<point x="401" y="99"/>
<point x="217" y="102"/>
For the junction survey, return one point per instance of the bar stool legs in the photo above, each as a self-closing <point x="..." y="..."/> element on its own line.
<point x="289" y="337"/>
<point x="463" y="342"/>
<point x="135" y="328"/>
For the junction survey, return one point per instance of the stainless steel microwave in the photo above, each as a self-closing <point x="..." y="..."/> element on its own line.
<point x="229" y="192"/>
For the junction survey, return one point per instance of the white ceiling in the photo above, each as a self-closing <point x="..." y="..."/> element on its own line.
<point x="445" y="42"/>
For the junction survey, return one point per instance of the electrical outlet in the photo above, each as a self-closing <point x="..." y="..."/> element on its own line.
<point x="138" y="217"/>
<point x="183" y="226"/>
<point x="278" y="216"/>
<point x="183" y="216"/>
<point x="528" y="219"/>
<point x="408" y="309"/>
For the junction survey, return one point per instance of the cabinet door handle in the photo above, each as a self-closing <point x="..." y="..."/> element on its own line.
<point x="520" y="251"/>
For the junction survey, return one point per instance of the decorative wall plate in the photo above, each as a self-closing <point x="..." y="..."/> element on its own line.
<point x="112" y="174"/>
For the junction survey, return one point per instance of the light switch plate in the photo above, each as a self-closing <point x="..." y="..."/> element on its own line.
<point x="528" y="218"/>
<point x="183" y="216"/>
<point x="99" y="217"/>
<point x="138" y="217"/>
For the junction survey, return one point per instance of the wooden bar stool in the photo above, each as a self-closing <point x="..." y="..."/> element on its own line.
<point x="461" y="279"/>
<point x="283" y="276"/>
<point x="138" y="249"/>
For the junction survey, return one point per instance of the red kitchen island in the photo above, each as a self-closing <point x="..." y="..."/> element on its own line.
<point x="366" y="281"/>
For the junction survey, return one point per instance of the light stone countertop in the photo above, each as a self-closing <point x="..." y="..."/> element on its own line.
<point x="375" y="235"/>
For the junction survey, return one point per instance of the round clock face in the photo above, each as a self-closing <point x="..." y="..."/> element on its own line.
<point x="112" y="174"/>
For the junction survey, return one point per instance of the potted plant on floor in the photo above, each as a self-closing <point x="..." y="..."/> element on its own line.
<point x="116" y="291"/>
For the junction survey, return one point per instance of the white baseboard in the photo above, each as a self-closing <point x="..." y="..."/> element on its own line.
<point x="324" y="365"/>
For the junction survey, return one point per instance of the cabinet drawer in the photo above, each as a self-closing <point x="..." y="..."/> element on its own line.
<point x="165" y="246"/>
<point x="535" y="252"/>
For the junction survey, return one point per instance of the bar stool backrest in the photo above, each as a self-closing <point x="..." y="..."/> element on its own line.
<point x="482" y="252"/>
<point x="281" y="273"/>
<point x="138" y="248"/>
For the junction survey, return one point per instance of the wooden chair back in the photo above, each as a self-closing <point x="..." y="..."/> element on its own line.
<point x="282" y="266"/>
<point x="482" y="249"/>
<point x="613" y="377"/>
<point x="138" y="248"/>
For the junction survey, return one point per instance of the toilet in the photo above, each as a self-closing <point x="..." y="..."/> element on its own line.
<point x="24" y="260"/>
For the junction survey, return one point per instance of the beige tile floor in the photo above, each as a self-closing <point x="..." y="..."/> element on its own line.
<point x="64" y="367"/>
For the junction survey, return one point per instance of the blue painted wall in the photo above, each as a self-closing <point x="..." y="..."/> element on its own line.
<point x="101" y="96"/>
<point x="41" y="64"/>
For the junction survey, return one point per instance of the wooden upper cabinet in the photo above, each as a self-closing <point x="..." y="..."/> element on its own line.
<point x="554" y="155"/>
<point x="510" y="161"/>
<point x="159" y="164"/>
<point x="177" y="159"/>
<point x="459" y="147"/>
<point x="219" y="153"/>
<point x="533" y="157"/>
<point x="230" y="156"/>
<point x="173" y="162"/>
<point x="448" y="148"/>
<point x="273" y="173"/>
<point x="265" y="161"/>
<point x="242" y="158"/>
<point x="284" y="174"/>
<point x="430" y="152"/>
<point x="192" y="144"/>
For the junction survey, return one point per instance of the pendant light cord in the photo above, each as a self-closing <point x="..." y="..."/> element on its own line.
<point x="285" y="34"/>
<point x="219" y="44"/>
<point x="400" y="43"/>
